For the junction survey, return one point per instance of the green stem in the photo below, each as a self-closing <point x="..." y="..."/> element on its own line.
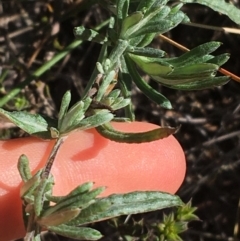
<point x="114" y="58"/>
<point x="32" y="228"/>
<point x="102" y="56"/>
<point x="95" y="72"/>
<point x="117" y="52"/>
<point x="125" y="82"/>
<point x="108" y="78"/>
<point x="52" y="156"/>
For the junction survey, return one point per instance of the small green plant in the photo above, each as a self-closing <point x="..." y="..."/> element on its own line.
<point x="125" y="50"/>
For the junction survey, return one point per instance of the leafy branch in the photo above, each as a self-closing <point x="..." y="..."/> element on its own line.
<point x="125" y="52"/>
<point x="81" y="206"/>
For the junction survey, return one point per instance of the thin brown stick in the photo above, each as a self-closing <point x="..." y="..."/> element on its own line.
<point x="215" y="28"/>
<point x="37" y="51"/>
<point x="17" y="33"/>
<point x="183" y="48"/>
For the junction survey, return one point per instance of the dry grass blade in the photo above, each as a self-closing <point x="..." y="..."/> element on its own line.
<point x="215" y="28"/>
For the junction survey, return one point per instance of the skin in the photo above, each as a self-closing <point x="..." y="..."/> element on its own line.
<point x="86" y="156"/>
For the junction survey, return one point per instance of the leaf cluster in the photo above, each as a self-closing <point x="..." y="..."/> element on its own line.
<point x="136" y="23"/>
<point x="125" y="52"/>
<point x="68" y="214"/>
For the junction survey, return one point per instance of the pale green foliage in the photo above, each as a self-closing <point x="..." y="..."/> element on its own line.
<point x="124" y="51"/>
<point x="82" y="206"/>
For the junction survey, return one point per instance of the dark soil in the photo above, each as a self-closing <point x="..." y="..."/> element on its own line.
<point x="33" y="31"/>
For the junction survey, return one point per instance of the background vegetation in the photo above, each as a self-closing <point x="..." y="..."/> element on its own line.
<point x="34" y="31"/>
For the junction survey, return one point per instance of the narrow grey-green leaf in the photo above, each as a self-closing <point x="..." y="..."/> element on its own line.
<point x="119" y="103"/>
<point x="147" y="90"/>
<point x="114" y="93"/>
<point x="220" y="6"/>
<point x="176" y="8"/>
<point x="81" y="233"/>
<point x="188" y="74"/>
<point x="151" y="66"/>
<point x="76" y="112"/>
<point x="33" y="124"/>
<point x="220" y="59"/>
<point x="57" y="218"/>
<point x="125" y="82"/>
<point x="137" y="27"/>
<point x="130" y="20"/>
<point x="74" y="116"/>
<point x="54" y="199"/>
<point x="28" y="188"/>
<point x="104" y="85"/>
<point x="130" y="203"/>
<point x="160" y="26"/>
<point x="147" y="51"/>
<point x="114" y="56"/>
<point x="83" y="188"/>
<point x="110" y="133"/>
<point x="192" y="57"/>
<point x="122" y="8"/>
<point x="23" y="168"/>
<point x="162" y="14"/>
<point x="64" y="107"/>
<point x="74" y="201"/>
<point x="136" y="40"/>
<point x="39" y="197"/>
<point x="146" y="39"/>
<point x="95" y="208"/>
<point x="103" y="116"/>
<point x="145" y="5"/>
<point x="201" y="84"/>
<point x="194" y="70"/>
<point x="159" y="4"/>
<point x="89" y="35"/>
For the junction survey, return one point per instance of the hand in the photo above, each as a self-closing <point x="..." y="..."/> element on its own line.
<point x="87" y="156"/>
